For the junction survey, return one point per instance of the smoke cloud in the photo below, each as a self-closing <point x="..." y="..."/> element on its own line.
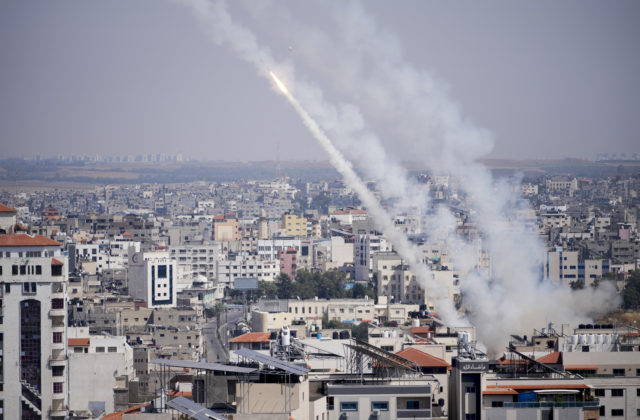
<point x="365" y="64"/>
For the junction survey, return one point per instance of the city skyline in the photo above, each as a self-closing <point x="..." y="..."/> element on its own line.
<point x="80" y="76"/>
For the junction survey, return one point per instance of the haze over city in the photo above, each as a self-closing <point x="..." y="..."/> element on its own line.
<point x="242" y="210"/>
<point x="545" y="79"/>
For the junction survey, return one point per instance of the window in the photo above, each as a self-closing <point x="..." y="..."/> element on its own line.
<point x="57" y="387"/>
<point x="599" y="392"/>
<point x="602" y="410"/>
<point x="619" y="392"/>
<point x="112" y="349"/>
<point x="57" y="303"/>
<point x="471" y="389"/>
<point x="380" y="405"/>
<point x="23" y="270"/>
<point x="637" y="392"/>
<point x="618" y="372"/>
<point x="7" y="287"/>
<point x="497" y="403"/>
<point x="99" y="349"/>
<point x="14" y="270"/>
<point x="349" y="406"/>
<point x="38" y="270"/>
<point x="57" y="370"/>
<point x="617" y="412"/>
<point x="57" y="337"/>
<point x="471" y="416"/>
<point x="585" y="349"/>
<point x="413" y="405"/>
<point x="330" y="403"/>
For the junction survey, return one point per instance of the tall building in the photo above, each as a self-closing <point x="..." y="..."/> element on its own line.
<point x="33" y="332"/>
<point x="152" y="278"/>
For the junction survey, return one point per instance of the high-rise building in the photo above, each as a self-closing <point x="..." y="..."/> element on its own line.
<point x="33" y="328"/>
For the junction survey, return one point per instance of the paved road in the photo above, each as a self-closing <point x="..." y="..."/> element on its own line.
<point x="215" y="350"/>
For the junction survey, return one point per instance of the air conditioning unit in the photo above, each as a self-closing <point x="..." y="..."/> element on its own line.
<point x="376" y="413"/>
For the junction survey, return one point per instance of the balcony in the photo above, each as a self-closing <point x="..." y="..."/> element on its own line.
<point x="57" y="290"/>
<point x="58" y="407"/>
<point x="57" y="312"/>
<point x="58" y="357"/>
<point x="414" y="414"/>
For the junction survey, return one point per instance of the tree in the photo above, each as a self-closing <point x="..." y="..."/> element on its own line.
<point x="321" y="202"/>
<point x="631" y="291"/>
<point x="268" y="289"/>
<point x="284" y="286"/>
<point x="361" y="331"/>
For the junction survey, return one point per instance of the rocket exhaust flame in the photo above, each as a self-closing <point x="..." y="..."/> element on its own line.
<point x="280" y="85"/>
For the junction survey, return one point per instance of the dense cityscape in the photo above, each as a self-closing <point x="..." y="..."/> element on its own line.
<point x="319" y="210"/>
<point x="281" y="298"/>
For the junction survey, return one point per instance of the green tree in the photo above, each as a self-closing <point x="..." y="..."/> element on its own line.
<point x="321" y="202"/>
<point x="268" y="289"/>
<point x="360" y="331"/>
<point x="631" y="291"/>
<point x="284" y="286"/>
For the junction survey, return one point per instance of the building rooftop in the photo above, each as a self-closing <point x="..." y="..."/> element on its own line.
<point x="21" y="239"/>
<point x="79" y="342"/>
<point x="252" y="337"/>
<point x="6" y="209"/>
<point x="422" y="359"/>
<point x="554" y="358"/>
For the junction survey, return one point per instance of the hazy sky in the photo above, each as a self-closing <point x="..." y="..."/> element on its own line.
<point x="549" y="79"/>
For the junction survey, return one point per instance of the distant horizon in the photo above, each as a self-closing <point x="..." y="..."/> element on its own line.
<point x="168" y="158"/>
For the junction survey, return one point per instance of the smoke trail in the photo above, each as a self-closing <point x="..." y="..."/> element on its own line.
<point x="224" y="31"/>
<point x="368" y="65"/>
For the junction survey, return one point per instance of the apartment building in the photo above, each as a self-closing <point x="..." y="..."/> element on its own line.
<point x="33" y="329"/>
<point x="294" y="226"/>
<point x="246" y="266"/>
<point x="563" y="266"/>
<point x="152" y="278"/>
<point x="197" y="259"/>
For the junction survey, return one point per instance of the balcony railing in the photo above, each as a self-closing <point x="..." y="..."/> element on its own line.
<point x="414" y="414"/>
<point x="58" y="355"/>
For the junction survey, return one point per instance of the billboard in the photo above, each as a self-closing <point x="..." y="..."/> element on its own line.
<point x="245" y="283"/>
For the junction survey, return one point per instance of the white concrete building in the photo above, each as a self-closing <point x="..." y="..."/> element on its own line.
<point x="268" y="248"/>
<point x="92" y="357"/>
<point x="197" y="259"/>
<point x="247" y="266"/>
<point x="33" y="327"/>
<point x="152" y="278"/>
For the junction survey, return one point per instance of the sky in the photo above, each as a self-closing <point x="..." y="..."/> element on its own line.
<point x="548" y="79"/>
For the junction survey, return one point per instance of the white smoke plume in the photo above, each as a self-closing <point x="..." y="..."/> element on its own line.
<point x="345" y="120"/>
<point x="368" y="67"/>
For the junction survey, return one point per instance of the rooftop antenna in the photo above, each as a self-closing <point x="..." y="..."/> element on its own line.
<point x="278" y="167"/>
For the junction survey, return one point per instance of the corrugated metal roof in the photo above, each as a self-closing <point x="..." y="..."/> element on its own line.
<point x="193" y="409"/>
<point x="202" y="365"/>
<point x="270" y="361"/>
